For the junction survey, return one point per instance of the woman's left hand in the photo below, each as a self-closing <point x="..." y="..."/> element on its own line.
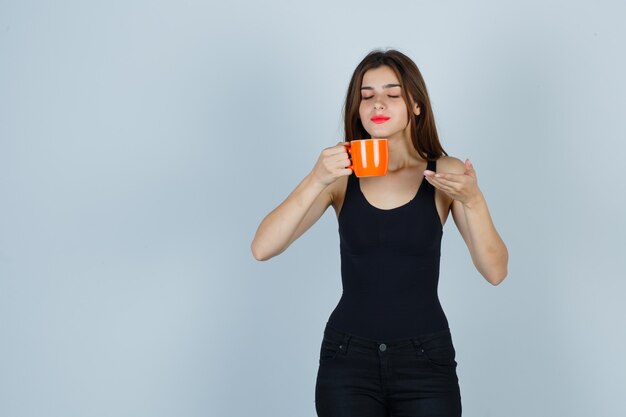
<point x="461" y="187"/>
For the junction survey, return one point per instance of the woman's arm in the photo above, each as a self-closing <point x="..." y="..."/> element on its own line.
<point x="303" y="207"/>
<point x="488" y="251"/>
<point x="308" y="201"/>
<point x="471" y="215"/>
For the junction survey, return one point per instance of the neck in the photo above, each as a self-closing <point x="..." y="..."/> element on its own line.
<point x="402" y="154"/>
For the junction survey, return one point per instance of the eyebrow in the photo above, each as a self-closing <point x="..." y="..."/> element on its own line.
<point x="367" y="87"/>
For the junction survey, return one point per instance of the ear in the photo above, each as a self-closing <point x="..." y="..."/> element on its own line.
<point x="416" y="107"/>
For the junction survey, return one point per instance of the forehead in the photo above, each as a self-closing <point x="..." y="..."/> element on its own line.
<point x="379" y="77"/>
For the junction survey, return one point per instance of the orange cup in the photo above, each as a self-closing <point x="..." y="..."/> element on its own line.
<point x="370" y="157"/>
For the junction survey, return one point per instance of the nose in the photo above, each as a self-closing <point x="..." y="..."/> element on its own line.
<point x="379" y="101"/>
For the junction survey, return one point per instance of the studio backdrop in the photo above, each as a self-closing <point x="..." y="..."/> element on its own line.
<point x="142" y="142"/>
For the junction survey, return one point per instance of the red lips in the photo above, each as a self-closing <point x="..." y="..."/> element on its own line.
<point x="380" y="119"/>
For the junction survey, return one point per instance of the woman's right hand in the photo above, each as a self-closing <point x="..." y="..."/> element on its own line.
<point x="332" y="163"/>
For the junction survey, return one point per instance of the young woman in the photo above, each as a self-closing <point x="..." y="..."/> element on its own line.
<point x="387" y="348"/>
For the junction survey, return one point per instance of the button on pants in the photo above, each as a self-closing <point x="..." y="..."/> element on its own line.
<point x="360" y="377"/>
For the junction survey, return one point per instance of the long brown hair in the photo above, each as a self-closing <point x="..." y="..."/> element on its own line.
<point x="423" y="130"/>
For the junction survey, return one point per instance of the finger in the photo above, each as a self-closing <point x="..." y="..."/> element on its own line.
<point x="340" y="158"/>
<point x="434" y="181"/>
<point x="337" y="149"/>
<point x="443" y="184"/>
<point x="471" y="171"/>
<point x="431" y="181"/>
<point x="448" y="181"/>
<point x="454" y="177"/>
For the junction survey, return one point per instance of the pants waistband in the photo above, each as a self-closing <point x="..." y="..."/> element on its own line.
<point x="345" y="337"/>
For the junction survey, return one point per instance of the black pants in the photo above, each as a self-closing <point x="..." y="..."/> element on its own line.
<point x="359" y="377"/>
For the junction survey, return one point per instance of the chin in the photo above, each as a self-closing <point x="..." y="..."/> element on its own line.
<point x="378" y="133"/>
<point x="384" y="130"/>
<point x="382" y="134"/>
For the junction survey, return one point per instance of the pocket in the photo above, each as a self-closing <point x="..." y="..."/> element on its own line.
<point x="329" y="349"/>
<point x="438" y="351"/>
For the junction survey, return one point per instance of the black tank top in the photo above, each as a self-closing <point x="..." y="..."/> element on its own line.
<point x="389" y="269"/>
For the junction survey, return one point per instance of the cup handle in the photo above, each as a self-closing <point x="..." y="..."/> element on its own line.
<point x="347" y="146"/>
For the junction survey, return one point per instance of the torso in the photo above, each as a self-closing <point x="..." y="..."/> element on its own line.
<point x="394" y="189"/>
<point x="390" y="234"/>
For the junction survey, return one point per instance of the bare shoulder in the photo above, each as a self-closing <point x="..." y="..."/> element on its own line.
<point x="443" y="201"/>
<point x="450" y="164"/>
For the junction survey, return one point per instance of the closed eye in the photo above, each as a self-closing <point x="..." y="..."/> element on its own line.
<point x="367" y="98"/>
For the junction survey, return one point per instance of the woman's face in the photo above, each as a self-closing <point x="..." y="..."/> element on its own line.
<point x="381" y="95"/>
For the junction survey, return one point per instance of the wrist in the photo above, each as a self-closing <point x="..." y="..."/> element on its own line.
<point x="315" y="182"/>
<point x="474" y="201"/>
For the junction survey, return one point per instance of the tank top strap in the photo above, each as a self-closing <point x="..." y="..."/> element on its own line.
<point x="352" y="181"/>
<point x="430" y="189"/>
<point x="351" y="187"/>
